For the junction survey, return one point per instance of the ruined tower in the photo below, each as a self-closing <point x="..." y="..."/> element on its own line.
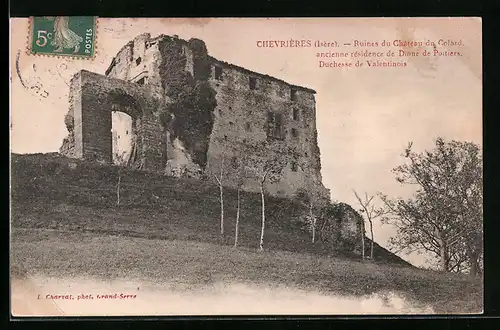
<point x="183" y="112"/>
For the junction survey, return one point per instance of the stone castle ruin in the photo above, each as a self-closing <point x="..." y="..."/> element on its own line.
<point x="165" y="105"/>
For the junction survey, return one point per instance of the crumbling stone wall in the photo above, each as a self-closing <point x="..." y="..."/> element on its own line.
<point x="138" y="59"/>
<point x="176" y="72"/>
<point x="200" y="114"/>
<point x="241" y="118"/>
<point x="190" y="104"/>
<point x="71" y="147"/>
<point x="342" y="226"/>
<point x="92" y="99"/>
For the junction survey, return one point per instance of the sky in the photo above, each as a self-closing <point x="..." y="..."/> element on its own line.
<point x="365" y="116"/>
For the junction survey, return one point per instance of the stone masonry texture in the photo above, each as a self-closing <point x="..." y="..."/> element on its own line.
<point x="133" y="85"/>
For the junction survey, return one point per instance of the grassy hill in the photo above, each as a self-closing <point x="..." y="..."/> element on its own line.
<point x="69" y="194"/>
<point x="56" y="199"/>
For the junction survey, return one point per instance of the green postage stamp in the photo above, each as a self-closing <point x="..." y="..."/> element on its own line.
<point x="63" y="35"/>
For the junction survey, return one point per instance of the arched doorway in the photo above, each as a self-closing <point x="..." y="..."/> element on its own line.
<point x="123" y="137"/>
<point x="94" y="99"/>
<point x="125" y="128"/>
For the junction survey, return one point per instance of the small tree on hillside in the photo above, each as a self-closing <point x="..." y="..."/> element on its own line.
<point x="335" y="225"/>
<point x="371" y="213"/>
<point x="220" y="179"/>
<point x="363" y="245"/>
<point x="118" y="184"/>
<point x="120" y="159"/>
<point x="240" y="174"/>
<point x="267" y="167"/>
<point x="329" y="228"/>
<point x="313" y="203"/>
<point x="444" y="216"/>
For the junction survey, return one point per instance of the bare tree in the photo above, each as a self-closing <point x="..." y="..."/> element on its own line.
<point x="118" y="185"/>
<point x="371" y="212"/>
<point x="363" y="225"/>
<point x="312" y="220"/>
<point x="237" y="222"/>
<point x="314" y="203"/>
<point x="220" y="180"/>
<point x="267" y="163"/>
<point x="238" y="166"/>
<point x="363" y="244"/>
<point x="444" y="216"/>
<point x="120" y="159"/>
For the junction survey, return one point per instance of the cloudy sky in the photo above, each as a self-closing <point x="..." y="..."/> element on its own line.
<point x="365" y="116"/>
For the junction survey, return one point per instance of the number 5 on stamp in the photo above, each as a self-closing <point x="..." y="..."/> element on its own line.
<point x="63" y="35"/>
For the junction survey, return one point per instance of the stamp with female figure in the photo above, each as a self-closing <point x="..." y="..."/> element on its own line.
<point x="63" y="35"/>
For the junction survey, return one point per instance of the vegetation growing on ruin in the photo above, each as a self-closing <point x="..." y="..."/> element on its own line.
<point x="328" y="221"/>
<point x="68" y="144"/>
<point x="332" y="217"/>
<point x="316" y="152"/>
<point x="189" y="113"/>
<point x="68" y="121"/>
<point x="202" y="68"/>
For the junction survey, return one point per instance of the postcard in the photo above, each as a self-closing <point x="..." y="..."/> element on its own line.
<point x="245" y="166"/>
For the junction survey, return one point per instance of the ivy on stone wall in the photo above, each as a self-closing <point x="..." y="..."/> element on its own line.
<point x="202" y="67"/>
<point x="68" y="145"/>
<point x="189" y="113"/>
<point x="316" y="152"/>
<point x="69" y="121"/>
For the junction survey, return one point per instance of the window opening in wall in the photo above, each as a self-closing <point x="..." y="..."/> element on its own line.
<point x="295" y="114"/>
<point x="275" y="125"/>
<point x="305" y="153"/>
<point x="248" y="128"/>
<point x="138" y="61"/>
<point x="293" y="94"/>
<point x="294" y="166"/>
<point x="252" y="81"/>
<point x="218" y="73"/>
<point x="295" y="133"/>
<point x="225" y="137"/>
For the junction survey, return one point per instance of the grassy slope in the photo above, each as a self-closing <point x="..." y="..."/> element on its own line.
<point x="75" y="208"/>
<point x="187" y="265"/>
<point x="84" y="198"/>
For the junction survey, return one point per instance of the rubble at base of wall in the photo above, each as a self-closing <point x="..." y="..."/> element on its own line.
<point x="68" y="146"/>
<point x="183" y="170"/>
